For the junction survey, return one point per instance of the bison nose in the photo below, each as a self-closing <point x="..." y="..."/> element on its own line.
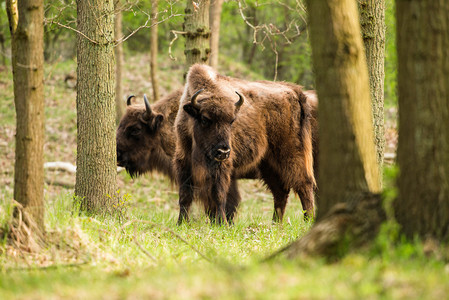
<point x="119" y="157"/>
<point x="222" y="153"/>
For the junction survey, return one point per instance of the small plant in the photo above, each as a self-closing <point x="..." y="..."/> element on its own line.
<point x="121" y="206"/>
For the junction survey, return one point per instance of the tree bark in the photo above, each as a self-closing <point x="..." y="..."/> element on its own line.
<point x="350" y="207"/>
<point x="153" y="50"/>
<point x="196" y="26"/>
<point x="372" y="20"/>
<point x="119" y="101"/>
<point x="96" y="148"/>
<point x="27" y="33"/>
<point x="422" y="206"/>
<point x="215" y="19"/>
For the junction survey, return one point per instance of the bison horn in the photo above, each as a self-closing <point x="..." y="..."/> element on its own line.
<point x="240" y="102"/>
<point x="128" y="101"/>
<point x="147" y="105"/>
<point x="193" y="99"/>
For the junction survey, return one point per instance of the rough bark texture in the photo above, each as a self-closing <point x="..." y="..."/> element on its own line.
<point x="349" y="207"/>
<point x="28" y="72"/>
<point x="215" y="18"/>
<point x="196" y="26"/>
<point x="348" y="225"/>
<point x="372" y="20"/>
<point x="422" y="206"/>
<point x="119" y="101"/>
<point x="347" y="154"/>
<point x="153" y="51"/>
<point x="96" y="150"/>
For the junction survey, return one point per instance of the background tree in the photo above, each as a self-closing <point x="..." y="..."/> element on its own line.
<point x="349" y="208"/>
<point x="372" y="20"/>
<point x="154" y="49"/>
<point x="422" y="206"/>
<point x="2" y="39"/>
<point x="26" y="24"/>
<point x="119" y="101"/>
<point x="196" y="26"/>
<point x="95" y="102"/>
<point x="215" y="18"/>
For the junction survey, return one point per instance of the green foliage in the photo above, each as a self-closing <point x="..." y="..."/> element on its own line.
<point x="391" y="60"/>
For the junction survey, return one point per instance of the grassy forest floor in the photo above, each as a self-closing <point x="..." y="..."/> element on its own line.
<point x="141" y="253"/>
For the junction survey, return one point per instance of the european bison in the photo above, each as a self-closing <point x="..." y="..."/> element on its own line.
<point x="226" y="127"/>
<point x="145" y="136"/>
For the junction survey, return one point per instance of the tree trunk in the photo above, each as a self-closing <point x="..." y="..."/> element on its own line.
<point x="153" y="50"/>
<point x="119" y="101"/>
<point x="2" y="41"/>
<point x="422" y="206"/>
<point x="196" y="24"/>
<point x="215" y="18"/>
<point x="27" y="40"/>
<point x="372" y="20"/>
<point x="350" y="208"/>
<point x="95" y="101"/>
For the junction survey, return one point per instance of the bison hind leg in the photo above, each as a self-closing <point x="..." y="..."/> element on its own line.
<point x="307" y="197"/>
<point x="279" y="191"/>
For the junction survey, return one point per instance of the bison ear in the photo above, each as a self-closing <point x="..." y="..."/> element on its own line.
<point x="191" y="110"/>
<point x="157" y="121"/>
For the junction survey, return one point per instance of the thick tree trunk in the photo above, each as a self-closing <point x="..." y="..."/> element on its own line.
<point x="350" y="208"/>
<point x="96" y="149"/>
<point x="422" y="206"/>
<point x="215" y="19"/>
<point x="372" y="20"/>
<point x="347" y="154"/>
<point x="196" y="24"/>
<point x="153" y="50"/>
<point x="119" y="101"/>
<point x="27" y="33"/>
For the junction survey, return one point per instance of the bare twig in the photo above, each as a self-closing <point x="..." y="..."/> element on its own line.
<point x="73" y="29"/>
<point x="144" y="250"/>
<point x="175" y="32"/>
<point x="172" y="232"/>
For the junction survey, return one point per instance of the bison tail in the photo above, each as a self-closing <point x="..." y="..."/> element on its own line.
<point x="306" y="136"/>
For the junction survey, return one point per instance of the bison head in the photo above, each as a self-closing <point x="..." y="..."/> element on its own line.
<point x="141" y="137"/>
<point x="213" y="117"/>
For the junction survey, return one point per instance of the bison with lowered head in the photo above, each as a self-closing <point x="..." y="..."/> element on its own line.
<point x="226" y="127"/>
<point x="145" y="136"/>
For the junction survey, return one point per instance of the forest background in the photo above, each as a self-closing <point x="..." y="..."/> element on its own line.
<point x="152" y="257"/>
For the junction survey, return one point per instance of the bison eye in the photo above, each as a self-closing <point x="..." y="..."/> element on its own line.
<point x="205" y="122"/>
<point x="133" y="131"/>
<point x="232" y="121"/>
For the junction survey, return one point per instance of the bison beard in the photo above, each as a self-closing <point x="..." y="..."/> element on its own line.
<point x="227" y="127"/>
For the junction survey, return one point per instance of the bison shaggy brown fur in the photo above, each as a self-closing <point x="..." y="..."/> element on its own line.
<point x="226" y="127"/>
<point x="145" y="136"/>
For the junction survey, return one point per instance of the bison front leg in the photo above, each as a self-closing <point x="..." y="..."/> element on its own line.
<point x="232" y="201"/>
<point x="219" y="193"/>
<point x="184" y="178"/>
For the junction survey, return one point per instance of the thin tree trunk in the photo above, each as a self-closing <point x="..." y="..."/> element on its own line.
<point x="196" y="24"/>
<point x="422" y="206"/>
<point x="96" y="149"/>
<point x="153" y="50"/>
<point x="119" y="101"/>
<point x="350" y="208"/>
<point x="2" y="42"/>
<point x="28" y="72"/>
<point x="372" y="20"/>
<point x="215" y="19"/>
